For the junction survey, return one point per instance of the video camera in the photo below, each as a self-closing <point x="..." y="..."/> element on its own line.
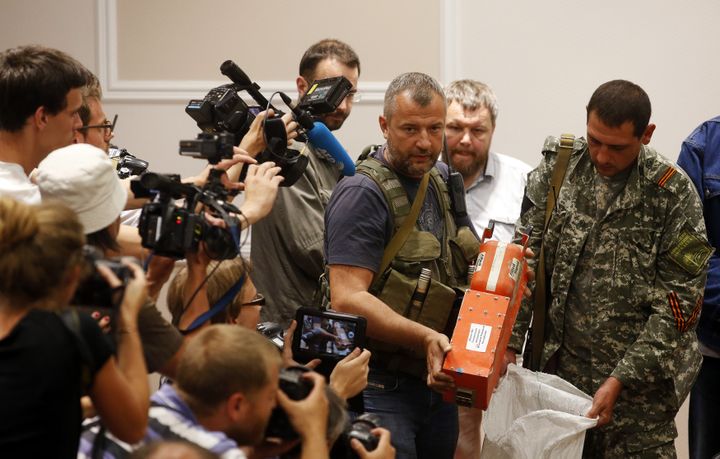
<point x="223" y="111"/>
<point x="171" y="230"/>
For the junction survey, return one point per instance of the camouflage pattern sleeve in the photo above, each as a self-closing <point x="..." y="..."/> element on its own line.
<point x="533" y="213"/>
<point x="666" y="349"/>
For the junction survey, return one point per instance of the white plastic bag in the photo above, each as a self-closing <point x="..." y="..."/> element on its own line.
<point x="535" y="415"/>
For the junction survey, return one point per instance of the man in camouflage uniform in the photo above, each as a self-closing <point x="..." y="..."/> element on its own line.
<point x="626" y="256"/>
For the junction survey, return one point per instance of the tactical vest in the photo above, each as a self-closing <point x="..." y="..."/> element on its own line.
<point x="447" y="260"/>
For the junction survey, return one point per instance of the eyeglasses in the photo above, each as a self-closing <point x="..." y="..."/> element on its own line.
<point x="259" y="300"/>
<point x="107" y="126"/>
<point x="353" y="96"/>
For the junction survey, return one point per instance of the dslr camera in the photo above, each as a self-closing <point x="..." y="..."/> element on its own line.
<point x="296" y="388"/>
<point x="361" y="430"/>
<point x="94" y="291"/>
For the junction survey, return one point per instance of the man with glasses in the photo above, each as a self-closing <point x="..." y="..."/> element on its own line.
<point x="40" y="96"/>
<point x="287" y="245"/>
<point x="96" y="129"/>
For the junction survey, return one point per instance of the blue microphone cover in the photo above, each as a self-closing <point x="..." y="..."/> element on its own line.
<point x="321" y="138"/>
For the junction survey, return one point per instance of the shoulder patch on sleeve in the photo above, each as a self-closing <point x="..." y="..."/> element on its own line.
<point x="690" y="252"/>
<point x="666" y="176"/>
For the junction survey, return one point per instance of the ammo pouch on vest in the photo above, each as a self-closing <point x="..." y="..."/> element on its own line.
<point x="395" y="288"/>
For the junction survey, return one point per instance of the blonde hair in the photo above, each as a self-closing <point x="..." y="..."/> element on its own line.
<point x="38" y="244"/>
<point x="225" y="274"/>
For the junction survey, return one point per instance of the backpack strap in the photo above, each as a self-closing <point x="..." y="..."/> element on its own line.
<point x="540" y="299"/>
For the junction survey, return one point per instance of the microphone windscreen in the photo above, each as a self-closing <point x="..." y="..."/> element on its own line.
<point x="320" y="137"/>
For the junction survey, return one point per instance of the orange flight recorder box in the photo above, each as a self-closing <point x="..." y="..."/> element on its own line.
<point x="485" y="321"/>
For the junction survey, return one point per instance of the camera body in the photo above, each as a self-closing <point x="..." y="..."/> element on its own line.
<point x="327" y="335"/>
<point x="221" y="110"/>
<point x="94" y="291"/>
<point x="209" y="146"/>
<point x="125" y="163"/>
<point x="296" y="388"/>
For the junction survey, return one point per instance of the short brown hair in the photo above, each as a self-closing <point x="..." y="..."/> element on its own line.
<point x="328" y="48"/>
<point x="222" y="360"/>
<point x="35" y="76"/>
<point x="618" y="101"/>
<point x="38" y="244"/>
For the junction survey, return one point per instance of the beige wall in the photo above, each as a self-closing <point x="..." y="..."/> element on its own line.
<point x="543" y="59"/>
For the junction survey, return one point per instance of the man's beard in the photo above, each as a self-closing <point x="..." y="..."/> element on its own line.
<point x="404" y="165"/>
<point x="334" y="120"/>
<point x="467" y="169"/>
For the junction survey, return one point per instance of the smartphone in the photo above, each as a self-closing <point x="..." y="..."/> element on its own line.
<point x="327" y="335"/>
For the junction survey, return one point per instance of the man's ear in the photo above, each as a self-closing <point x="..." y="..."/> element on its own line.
<point x="302" y="86"/>
<point x="237" y="406"/>
<point x="647" y="135"/>
<point x="383" y="126"/>
<point x="40" y="117"/>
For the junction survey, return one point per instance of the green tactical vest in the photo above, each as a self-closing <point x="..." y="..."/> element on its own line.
<point x="448" y="261"/>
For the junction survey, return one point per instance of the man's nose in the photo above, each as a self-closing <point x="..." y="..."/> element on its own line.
<point x="465" y="139"/>
<point x="424" y="140"/>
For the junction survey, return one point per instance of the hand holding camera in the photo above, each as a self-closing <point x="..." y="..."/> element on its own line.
<point x="135" y="294"/>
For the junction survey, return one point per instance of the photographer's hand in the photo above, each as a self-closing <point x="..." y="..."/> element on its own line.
<point x="349" y="377"/>
<point x="232" y="168"/>
<point x="261" y="187"/>
<point x="291" y="127"/>
<point x="253" y="142"/>
<point x="309" y="417"/>
<point x="287" y="349"/>
<point x="384" y="449"/>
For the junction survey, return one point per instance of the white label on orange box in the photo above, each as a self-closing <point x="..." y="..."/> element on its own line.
<point x="478" y="338"/>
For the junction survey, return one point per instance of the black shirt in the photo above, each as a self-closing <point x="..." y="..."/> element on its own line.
<point x="40" y="385"/>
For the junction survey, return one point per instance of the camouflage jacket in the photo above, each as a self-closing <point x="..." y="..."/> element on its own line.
<point x="651" y="262"/>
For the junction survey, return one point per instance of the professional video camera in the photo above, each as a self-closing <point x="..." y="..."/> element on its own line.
<point x="222" y="110"/>
<point x="94" y="290"/>
<point x="125" y="163"/>
<point x="171" y="230"/>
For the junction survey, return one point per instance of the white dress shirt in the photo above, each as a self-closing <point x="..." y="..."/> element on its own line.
<point x="497" y="195"/>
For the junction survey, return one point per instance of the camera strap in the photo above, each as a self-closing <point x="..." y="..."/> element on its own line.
<point x="220" y="305"/>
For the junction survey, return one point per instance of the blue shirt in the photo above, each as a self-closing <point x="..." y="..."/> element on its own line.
<point x="170" y="419"/>
<point x="700" y="158"/>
